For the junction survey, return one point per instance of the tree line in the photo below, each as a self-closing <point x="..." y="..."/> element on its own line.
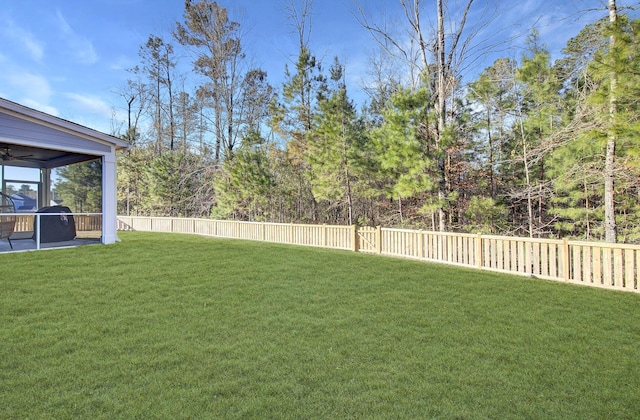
<point x="531" y="146"/>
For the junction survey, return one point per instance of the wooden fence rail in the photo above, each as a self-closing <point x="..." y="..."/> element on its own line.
<point x="24" y="223"/>
<point x="596" y="264"/>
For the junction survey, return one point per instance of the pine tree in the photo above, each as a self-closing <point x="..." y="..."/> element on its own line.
<point x="538" y="115"/>
<point x="400" y="149"/>
<point x="576" y="176"/>
<point x="581" y="167"/>
<point x="80" y="186"/>
<point x="131" y="169"/>
<point x="493" y="95"/>
<point x="157" y="69"/>
<point x="292" y="114"/>
<point x="617" y="70"/>
<point x="171" y="183"/>
<point x="336" y="147"/>
<point x="215" y="40"/>
<point x="244" y="188"/>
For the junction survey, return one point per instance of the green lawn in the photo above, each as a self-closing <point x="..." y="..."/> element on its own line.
<point x="178" y="326"/>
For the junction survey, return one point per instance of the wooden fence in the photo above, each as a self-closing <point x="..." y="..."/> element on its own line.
<point x="83" y="222"/>
<point x="596" y="264"/>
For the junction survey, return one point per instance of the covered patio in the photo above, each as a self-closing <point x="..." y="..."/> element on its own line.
<point x="32" y="145"/>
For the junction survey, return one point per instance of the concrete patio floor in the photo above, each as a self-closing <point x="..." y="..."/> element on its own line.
<point x="22" y="245"/>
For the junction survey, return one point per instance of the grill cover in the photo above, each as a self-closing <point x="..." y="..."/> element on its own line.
<point x="55" y="228"/>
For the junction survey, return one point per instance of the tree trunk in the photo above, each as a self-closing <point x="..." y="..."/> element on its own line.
<point x="349" y="198"/>
<point x="609" y="202"/>
<point x="442" y="108"/>
<point x="158" y="117"/>
<point x="586" y="206"/>
<point x="218" y="128"/>
<point x="172" y="126"/>
<point x="492" y="188"/>
<point x="525" y="159"/>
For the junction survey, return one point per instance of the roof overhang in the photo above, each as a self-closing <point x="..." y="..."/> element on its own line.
<point x="34" y="139"/>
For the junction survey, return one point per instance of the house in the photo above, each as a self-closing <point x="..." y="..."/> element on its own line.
<point x="34" y="139"/>
<point x="24" y="203"/>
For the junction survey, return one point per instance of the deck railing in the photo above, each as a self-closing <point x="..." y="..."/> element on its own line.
<point x="596" y="264"/>
<point x="86" y="224"/>
<point x="83" y="221"/>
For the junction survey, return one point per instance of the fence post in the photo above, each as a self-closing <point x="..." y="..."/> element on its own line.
<point x="479" y="251"/>
<point x="379" y="239"/>
<point x="565" y="259"/>
<point x="420" y="245"/>
<point x="262" y="234"/>
<point x="291" y="233"/>
<point x="355" y="241"/>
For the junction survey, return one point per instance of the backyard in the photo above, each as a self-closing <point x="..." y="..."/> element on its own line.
<point x="183" y="326"/>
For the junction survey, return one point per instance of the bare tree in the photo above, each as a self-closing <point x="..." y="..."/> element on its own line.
<point x="135" y="95"/>
<point x="257" y="94"/>
<point x="383" y="81"/>
<point x="441" y="55"/>
<point x="157" y="66"/>
<point x="215" y="41"/>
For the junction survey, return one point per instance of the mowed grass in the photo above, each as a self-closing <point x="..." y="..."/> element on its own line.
<point x="179" y="326"/>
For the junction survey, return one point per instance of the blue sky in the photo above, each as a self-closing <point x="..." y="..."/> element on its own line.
<point x="69" y="57"/>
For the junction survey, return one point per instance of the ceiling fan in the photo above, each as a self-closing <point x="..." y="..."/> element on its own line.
<point x="7" y="156"/>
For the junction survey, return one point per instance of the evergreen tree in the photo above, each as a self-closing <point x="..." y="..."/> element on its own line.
<point x="494" y="99"/>
<point x="336" y="147"/>
<point x="79" y="186"/>
<point x="539" y="115"/>
<point x="244" y="188"/>
<point x="400" y="149"/>
<point x="171" y="182"/>
<point x="579" y="165"/>
<point x="292" y="114"/>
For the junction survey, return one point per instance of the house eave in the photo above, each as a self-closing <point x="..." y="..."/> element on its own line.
<point x="41" y="118"/>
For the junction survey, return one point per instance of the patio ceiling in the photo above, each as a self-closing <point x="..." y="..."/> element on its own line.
<point x="37" y="157"/>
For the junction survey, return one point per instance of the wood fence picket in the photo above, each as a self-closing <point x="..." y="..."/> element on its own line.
<point x="596" y="264"/>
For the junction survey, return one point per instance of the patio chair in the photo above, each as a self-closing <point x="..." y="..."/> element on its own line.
<point x="7" y="222"/>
